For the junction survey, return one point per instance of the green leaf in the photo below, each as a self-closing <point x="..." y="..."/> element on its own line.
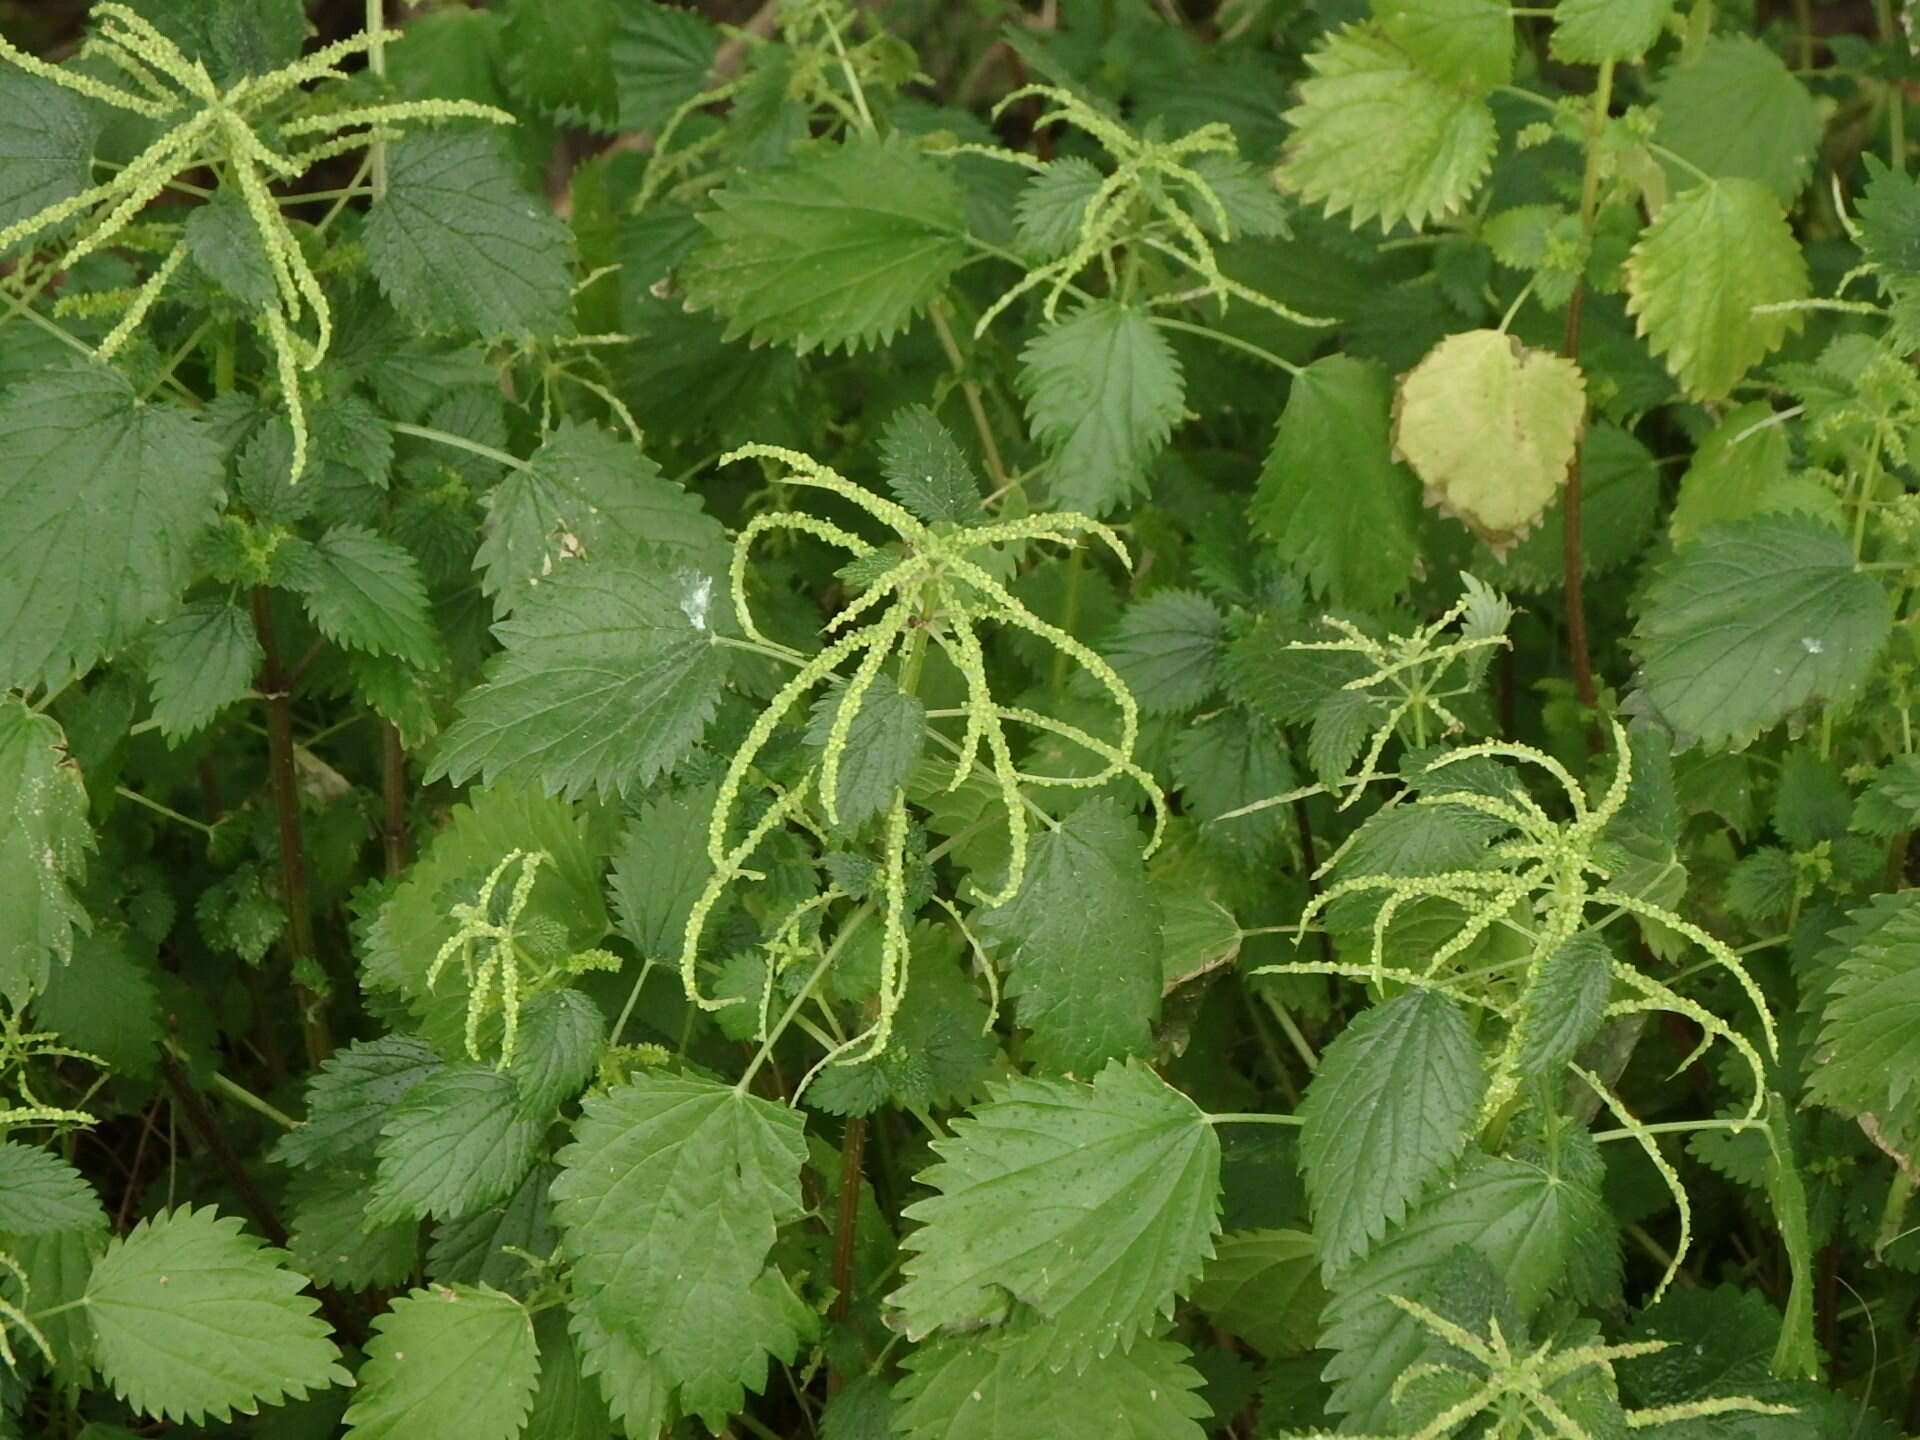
<point x="363" y="592"/>
<point x="659" y="870"/>
<point x="43" y="850"/>
<point x="588" y="493"/>
<point x="1376" y="135"/>
<point x="1752" y="623"/>
<point x="1619" y="499"/>
<point x="1201" y="934"/>
<point x="1721" y="1342"/>
<point x="479" y="1249"/>
<point x="1811" y="801"/>
<point x="1537" y="1228"/>
<point x="863" y="1409"/>
<point x="1333" y="501"/>
<point x="1888" y="217"/>
<point x="46" y="145"/>
<point x="569" y="1404"/>
<point x="1104" y="391"/>
<point x="1047" y="217"/>
<point x="842" y="246"/>
<point x="194" y="1320"/>
<point x="1737" y="470"/>
<point x="609" y="676"/>
<point x="1254" y="205"/>
<point x="1228" y="760"/>
<point x="1083" y="1208"/>
<point x="669" y="1198"/>
<point x="415" y="922"/>
<point x="1260" y="1285"/>
<point x="927" y="471"/>
<point x="41" y="1194"/>
<point x="561" y="1036"/>
<point x="225" y="244"/>
<point x="453" y="1362"/>
<point x="350" y="1096"/>
<point x="557" y="60"/>
<point x="103" y="1001"/>
<point x="101" y="500"/>
<point x="1081" y="942"/>
<point x="1736" y="111"/>
<point x="456" y="1142"/>
<point x="1490" y="426"/>
<point x="1466" y="43"/>
<point x="233" y="38"/>
<point x="1872" y="1022"/>
<point x="1591" y="32"/>
<point x="637" y="1393"/>
<point x="661" y="56"/>
<point x="1762" y="885"/>
<point x="1712" y="255"/>
<point x="1891" y="801"/>
<point x="1389" y="1110"/>
<point x="882" y="747"/>
<point x="56" y="1270"/>
<point x="1565" y="1001"/>
<point x="942" y="1046"/>
<point x="333" y="1240"/>
<point x="200" y="661"/>
<point x="1167" y="650"/>
<point x="998" y="1390"/>
<point x="457" y="244"/>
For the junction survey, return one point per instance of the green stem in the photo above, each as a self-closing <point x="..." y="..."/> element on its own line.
<point x="852" y="923"/>
<point x="1259" y="352"/>
<point x="239" y="1094"/>
<point x="178" y="358"/>
<point x="754" y="647"/>
<point x="633" y="999"/>
<point x="1293" y="1033"/>
<point x="1247" y="1118"/>
<point x="1891" y="38"/>
<point x="1572" y="562"/>
<point x="459" y="442"/>
<point x="1675" y="1127"/>
<point x="377" y="63"/>
<point x="970" y="391"/>
<point x="1069" y="617"/>
<point x="154" y="805"/>
<point x="60" y="1309"/>
<point x="853" y="79"/>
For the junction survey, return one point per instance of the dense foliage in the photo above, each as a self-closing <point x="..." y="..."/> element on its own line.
<point x="1102" y="721"/>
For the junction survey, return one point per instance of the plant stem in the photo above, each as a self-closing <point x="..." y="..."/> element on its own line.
<point x="1259" y="352"/>
<point x="393" y="793"/>
<point x="845" y="1221"/>
<point x="154" y="805"/>
<point x="377" y="63"/>
<point x="1570" y="555"/>
<point x="241" y="1095"/>
<point x="286" y="805"/>
<point x="1890" y="36"/>
<point x="633" y="999"/>
<point x="1069" y="617"/>
<point x="1293" y="1033"/>
<point x="970" y="389"/>
<point x="851" y="924"/>
<point x="1248" y="1118"/>
<point x="459" y="442"/>
<point x="203" y="1124"/>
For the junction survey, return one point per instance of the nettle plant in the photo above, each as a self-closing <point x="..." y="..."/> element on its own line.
<point x="1087" y="720"/>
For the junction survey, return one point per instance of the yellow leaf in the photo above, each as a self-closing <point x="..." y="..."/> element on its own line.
<point x="1490" y="427"/>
